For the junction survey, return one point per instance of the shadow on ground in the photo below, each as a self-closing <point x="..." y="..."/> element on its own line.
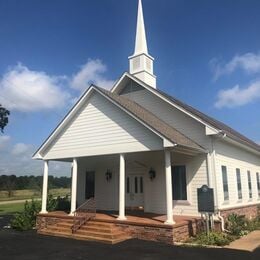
<point x="5" y="220"/>
<point x="29" y="245"/>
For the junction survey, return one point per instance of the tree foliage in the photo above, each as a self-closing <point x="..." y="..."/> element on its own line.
<point x="11" y="182"/>
<point x="4" y="114"/>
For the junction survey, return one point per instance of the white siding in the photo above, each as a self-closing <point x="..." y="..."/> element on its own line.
<point x="174" y="117"/>
<point x="233" y="157"/>
<point x="100" y="127"/>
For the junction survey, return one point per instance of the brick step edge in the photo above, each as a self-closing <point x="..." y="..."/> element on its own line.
<point x="82" y="237"/>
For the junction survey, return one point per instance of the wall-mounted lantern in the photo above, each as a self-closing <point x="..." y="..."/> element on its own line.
<point x="108" y="175"/>
<point x="152" y="174"/>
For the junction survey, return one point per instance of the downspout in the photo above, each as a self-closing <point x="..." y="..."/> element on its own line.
<point x="223" y="135"/>
<point x="222" y="222"/>
<point x="213" y="164"/>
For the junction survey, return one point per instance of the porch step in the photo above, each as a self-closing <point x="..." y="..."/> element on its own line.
<point x="92" y="231"/>
<point x="111" y="235"/>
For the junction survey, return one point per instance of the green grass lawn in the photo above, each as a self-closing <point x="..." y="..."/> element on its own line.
<point x="11" y="208"/>
<point x="28" y="194"/>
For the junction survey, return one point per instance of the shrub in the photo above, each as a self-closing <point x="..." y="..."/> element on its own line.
<point x="213" y="238"/>
<point x="27" y="219"/>
<point x="236" y="224"/>
<point x="253" y="224"/>
<point x="51" y="203"/>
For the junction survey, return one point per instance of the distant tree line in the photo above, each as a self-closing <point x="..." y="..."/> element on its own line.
<point x="12" y="182"/>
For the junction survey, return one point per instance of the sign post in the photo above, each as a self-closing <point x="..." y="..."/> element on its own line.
<point x="206" y="204"/>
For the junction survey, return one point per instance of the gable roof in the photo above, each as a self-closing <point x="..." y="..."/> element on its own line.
<point x="221" y="127"/>
<point x="153" y="121"/>
<point x="136" y="111"/>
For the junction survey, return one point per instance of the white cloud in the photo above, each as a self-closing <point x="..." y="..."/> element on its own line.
<point x="17" y="160"/>
<point x="4" y="140"/>
<point x="91" y="73"/>
<point x="237" y="96"/>
<point x="249" y="63"/>
<point x="20" y="148"/>
<point x="26" y="90"/>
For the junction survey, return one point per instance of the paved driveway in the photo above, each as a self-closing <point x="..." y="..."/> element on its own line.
<point x="30" y="246"/>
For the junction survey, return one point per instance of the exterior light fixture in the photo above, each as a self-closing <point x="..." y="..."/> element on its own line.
<point x="108" y="175"/>
<point x="152" y="174"/>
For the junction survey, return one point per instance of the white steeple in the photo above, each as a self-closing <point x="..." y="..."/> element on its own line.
<point x="141" y="63"/>
<point x="140" y="39"/>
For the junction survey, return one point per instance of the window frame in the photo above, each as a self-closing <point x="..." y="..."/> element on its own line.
<point x="225" y="183"/>
<point x="239" y="184"/>
<point x="184" y="199"/>
<point x="258" y="184"/>
<point x="249" y="184"/>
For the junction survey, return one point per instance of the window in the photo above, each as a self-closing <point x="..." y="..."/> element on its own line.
<point x="249" y="184"/>
<point x="90" y="185"/>
<point x="239" y="185"/>
<point x="136" y="184"/>
<point x="127" y="185"/>
<point x="258" y="183"/>
<point x="141" y="185"/>
<point x="179" y="184"/>
<point x="225" y="182"/>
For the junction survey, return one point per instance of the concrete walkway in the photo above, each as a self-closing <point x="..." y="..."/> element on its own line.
<point x="247" y="243"/>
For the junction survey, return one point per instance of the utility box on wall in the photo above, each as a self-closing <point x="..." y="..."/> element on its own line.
<point x="205" y="200"/>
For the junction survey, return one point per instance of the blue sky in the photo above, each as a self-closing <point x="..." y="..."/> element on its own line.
<point x="207" y="54"/>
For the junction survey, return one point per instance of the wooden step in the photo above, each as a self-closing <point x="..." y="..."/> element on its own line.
<point x="111" y="235"/>
<point x="64" y="224"/>
<point x="98" y="231"/>
<point x="59" y="229"/>
<point x="100" y="224"/>
<point x="98" y="239"/>
<point x="54" y="233"/>
<point x="83" y="237"/>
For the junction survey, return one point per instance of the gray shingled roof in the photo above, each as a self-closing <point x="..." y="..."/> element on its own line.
<point x="230" y="132"/>
<point x="152" y="121"/>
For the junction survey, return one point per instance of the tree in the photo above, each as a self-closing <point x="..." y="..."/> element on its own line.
<point x="9" y="186"/>
<point x="4" y="114"/>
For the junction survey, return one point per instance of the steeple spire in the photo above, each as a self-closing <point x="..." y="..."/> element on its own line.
<point x="140" y="40"/>
<point x="141" y="63"/>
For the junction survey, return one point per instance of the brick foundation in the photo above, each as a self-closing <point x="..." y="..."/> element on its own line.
<point x="166" y="234"/>
<point x="160" y="233"/>
<point x="249" y="211"/>
<point x="43" y="221"/>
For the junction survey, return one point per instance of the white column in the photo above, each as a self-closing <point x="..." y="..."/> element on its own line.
<point x="45" y="187"/>
<point x="74" y="186"/>
<point x="168" y="177"/>
<point x="122" y="188"/>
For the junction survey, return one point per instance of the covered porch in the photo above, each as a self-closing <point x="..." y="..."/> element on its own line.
<point x="123" y="183"/>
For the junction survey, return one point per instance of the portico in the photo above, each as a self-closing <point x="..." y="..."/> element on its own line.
<point x="128" y="166"/>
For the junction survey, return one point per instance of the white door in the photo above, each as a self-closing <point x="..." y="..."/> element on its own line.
<point x="134" y="191"/>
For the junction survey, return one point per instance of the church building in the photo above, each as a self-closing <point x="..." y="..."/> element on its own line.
<point x="138" y="157"/>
